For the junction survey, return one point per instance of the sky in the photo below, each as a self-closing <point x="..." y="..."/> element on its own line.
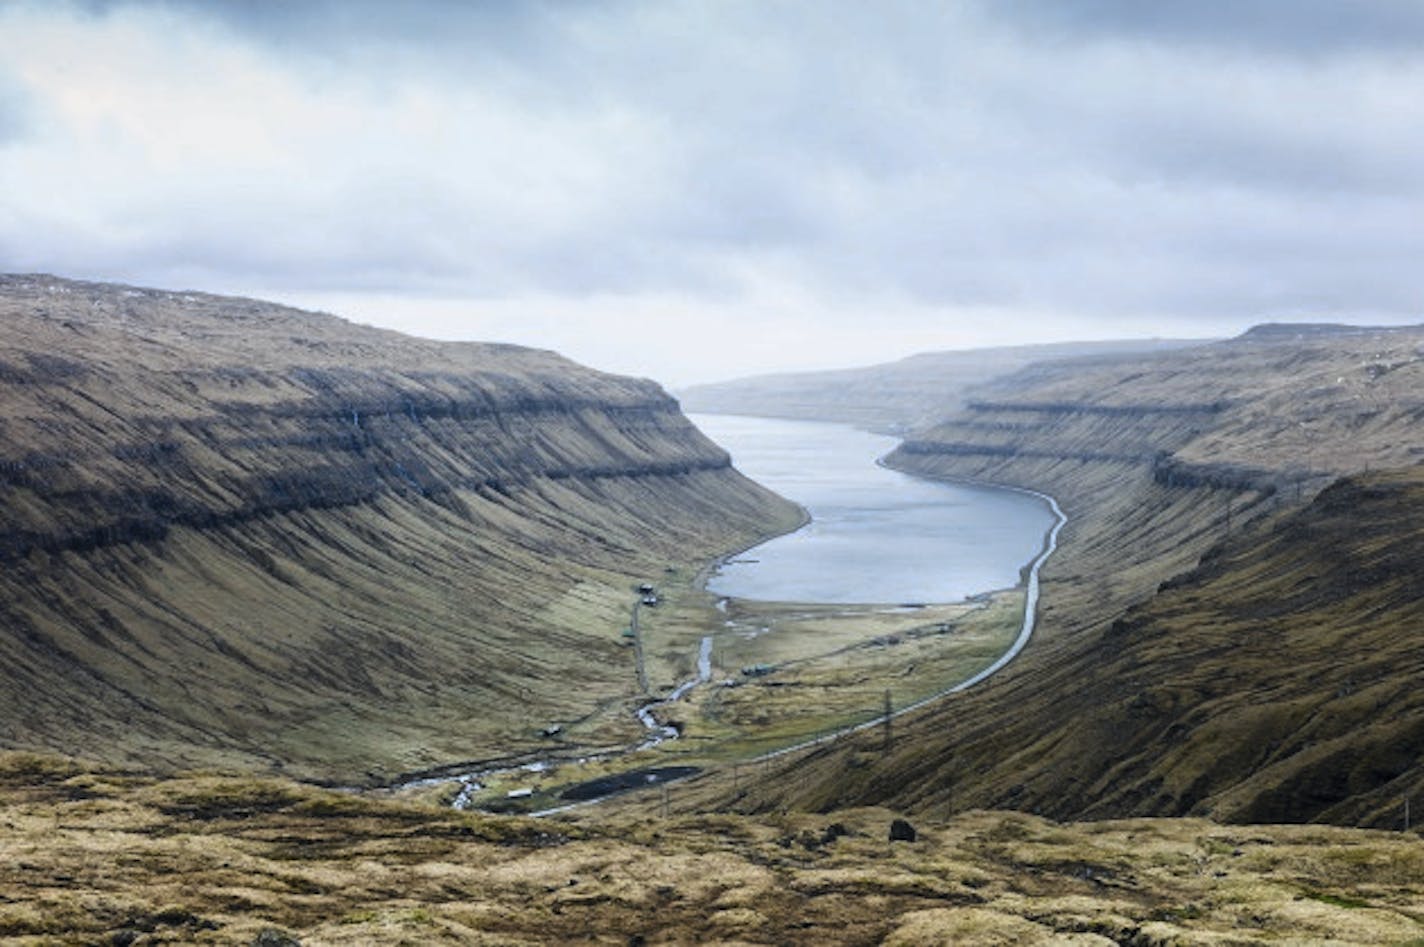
<point x="694" y="191"/>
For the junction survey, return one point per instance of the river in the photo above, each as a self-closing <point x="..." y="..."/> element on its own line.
<point x="876" y="535"/>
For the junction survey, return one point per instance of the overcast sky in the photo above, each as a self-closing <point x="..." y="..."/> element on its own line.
<point x="699" y="190"/>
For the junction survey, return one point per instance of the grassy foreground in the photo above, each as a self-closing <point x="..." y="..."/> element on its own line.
<point x="95" y="856"/>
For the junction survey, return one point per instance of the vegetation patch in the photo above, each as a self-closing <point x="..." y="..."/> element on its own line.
<point x="1335" y="900"/>
<point x="390" y="872"/>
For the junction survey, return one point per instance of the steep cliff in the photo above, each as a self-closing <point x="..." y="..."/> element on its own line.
<point x="233" y="532"/>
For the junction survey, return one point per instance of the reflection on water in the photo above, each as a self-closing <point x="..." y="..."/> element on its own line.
<point x="876" y="535"/>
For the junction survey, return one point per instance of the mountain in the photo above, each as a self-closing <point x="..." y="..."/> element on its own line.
<point x="1230" y="625"/>
<point x="895" y="397"/>
<point x="234" y="533"/>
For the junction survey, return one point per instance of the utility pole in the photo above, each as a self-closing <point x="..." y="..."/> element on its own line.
<point x="888" y="734"/>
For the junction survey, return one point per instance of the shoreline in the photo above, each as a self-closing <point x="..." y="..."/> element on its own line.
<point x="703" y="575"/>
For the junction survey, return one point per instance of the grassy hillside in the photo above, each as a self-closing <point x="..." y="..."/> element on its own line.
<point x="234" y="532"/>
<point x="1276" y="682"/>
<point x="900" y="396"/>
<point x="1272" y="683"/>
<point x="203" y="859"/>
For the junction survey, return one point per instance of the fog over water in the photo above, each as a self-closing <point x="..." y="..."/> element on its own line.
<point x="876" y="535"/>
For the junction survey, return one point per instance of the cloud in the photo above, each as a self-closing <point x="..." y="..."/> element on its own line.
<point x="846" y="173"/>
<point x="16" y="111"/>
<point x="1299" y="28"/>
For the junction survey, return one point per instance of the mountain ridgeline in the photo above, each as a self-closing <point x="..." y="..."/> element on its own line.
<point x="894" y="397"/>
<point x="238" y="533"/>
<point x="1231" y="623"/>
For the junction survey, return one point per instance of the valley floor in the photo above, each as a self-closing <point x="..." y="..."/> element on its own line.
<point x="815" y="671"/>
<point x="97" y="856"/>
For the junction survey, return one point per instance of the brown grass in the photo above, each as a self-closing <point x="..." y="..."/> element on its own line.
<point x="89" y="854"/>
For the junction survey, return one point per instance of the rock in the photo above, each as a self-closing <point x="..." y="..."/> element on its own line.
<point x="902" y="831"/>
<point x="834" y="831"/>
<point x="274" y="937"/>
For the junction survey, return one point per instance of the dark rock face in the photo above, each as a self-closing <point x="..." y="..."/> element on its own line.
<point x="902" y="831"/>
<point x="234" y="525"/>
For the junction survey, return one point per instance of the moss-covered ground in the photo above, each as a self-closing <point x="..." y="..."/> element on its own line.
<point x="91" y="856"/>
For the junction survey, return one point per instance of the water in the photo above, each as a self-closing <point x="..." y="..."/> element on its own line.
<point x="876" y="535"/>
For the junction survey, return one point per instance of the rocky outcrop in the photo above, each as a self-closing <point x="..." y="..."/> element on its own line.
<point x="317" y="456"/>
<point x="113" y="442"/>
<point x="233" y="525"/>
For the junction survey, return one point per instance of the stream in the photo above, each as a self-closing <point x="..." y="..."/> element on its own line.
<point x="472" y="781"/>
<point x="659" y="732"/>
